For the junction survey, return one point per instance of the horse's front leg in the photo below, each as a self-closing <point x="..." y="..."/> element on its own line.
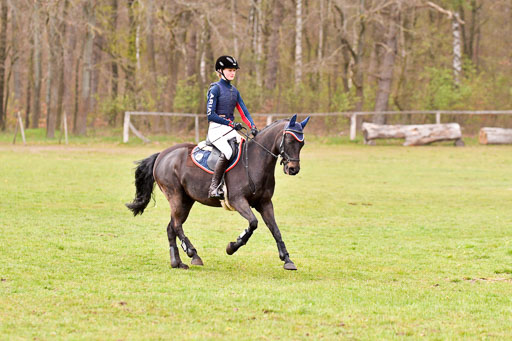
<point x="242" y="206"/>
<point x="266" y="210"/>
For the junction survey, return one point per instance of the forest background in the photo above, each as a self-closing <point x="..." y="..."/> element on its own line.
<point x="96" y="59"/>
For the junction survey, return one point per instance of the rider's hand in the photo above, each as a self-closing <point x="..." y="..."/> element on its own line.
<point x="237" y="126"/>
<point x="254" y="131"/>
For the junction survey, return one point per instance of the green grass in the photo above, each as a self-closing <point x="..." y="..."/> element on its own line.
<point x="391" y="242"/>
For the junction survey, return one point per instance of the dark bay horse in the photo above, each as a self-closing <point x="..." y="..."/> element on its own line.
<point x="249" y="184"/>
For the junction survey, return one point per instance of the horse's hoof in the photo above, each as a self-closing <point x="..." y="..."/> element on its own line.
<point x="197" y="261"/>
<point x="180" y="266"/>
<point x="289" y="266"/>
<point x="230" y="249"/>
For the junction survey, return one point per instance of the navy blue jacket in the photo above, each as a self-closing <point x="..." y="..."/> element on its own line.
<point x="221" y="100"/>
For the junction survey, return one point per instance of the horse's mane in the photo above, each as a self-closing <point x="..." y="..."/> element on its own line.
<point x="273" y="124"/>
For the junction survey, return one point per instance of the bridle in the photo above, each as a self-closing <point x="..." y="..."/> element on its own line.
<point x="285" y="158"/>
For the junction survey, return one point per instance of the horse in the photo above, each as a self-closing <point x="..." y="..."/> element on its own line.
<point x="250" y="185"/>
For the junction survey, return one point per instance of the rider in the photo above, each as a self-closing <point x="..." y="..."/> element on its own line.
<point x="222" y="98"/>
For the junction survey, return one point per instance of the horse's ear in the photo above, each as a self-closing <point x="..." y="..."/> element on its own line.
<point x="292" y="120"/>
<point x="303" y="123"/>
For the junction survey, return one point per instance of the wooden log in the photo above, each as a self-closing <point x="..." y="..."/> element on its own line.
<point x="495" y="136"/>
<point x="414" y="135"/>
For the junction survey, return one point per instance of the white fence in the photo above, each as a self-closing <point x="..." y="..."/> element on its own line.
<point x="270" y="117"/>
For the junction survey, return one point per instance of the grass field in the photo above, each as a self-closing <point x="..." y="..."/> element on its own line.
<point x="391" y="242"/>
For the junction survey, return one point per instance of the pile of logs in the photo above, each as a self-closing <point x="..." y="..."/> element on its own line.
<point x="495" y="136"/>
<point x="414" y="135"/>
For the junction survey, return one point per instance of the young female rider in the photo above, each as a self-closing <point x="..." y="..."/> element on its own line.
<point x="222" y="98"/>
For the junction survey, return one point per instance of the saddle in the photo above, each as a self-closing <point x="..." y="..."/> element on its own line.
<point x="205" y="155"/>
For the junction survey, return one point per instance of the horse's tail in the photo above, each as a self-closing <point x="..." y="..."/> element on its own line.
<point x="144" y="183"/>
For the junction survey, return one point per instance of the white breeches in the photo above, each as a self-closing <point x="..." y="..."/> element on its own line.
<point x="219" y="134"/>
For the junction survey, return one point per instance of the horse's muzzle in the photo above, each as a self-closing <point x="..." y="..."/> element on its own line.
<point x="292" y="168"/>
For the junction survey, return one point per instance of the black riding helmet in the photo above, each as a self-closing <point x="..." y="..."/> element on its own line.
<point x="226" y="62"/>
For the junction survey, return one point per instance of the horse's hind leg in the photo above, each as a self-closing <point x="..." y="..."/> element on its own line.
<point x="173" y="248"/>
<point x="180" y="208"/>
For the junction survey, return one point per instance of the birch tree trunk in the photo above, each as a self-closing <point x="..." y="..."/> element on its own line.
<point x="62" y="67"/>
<point x="150" y="41"/>
<point x="95" y="71"/>
<point x="113" y="65"/>
<point x="320" y="48"/>
<point x="205" y="50"/>
<point x="30" y="82"/>
<point x="322" y="28"/>
<point x="457" y="57"/>
<point x="52" y="66"/>
<point x="358" y="77"/>
<point x="233" y="27"/>
<point x="16" y="65"/>
<point x="86" y="69"/>
<point x="3" y="42"/>
<point x="36" y="105"/>
<point x="50" y="123"/>
<point x="257" y="39"/>
<point x="131" y="62"/>
<point x="387" y="66"/>
<point x="298" y="42"/>
<point x="205" y="36"/>
<point x="273" y="46"/>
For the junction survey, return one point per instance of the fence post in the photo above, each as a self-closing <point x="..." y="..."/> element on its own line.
<point x="15" y="131"/>
<point x="269" y="119"/>
<point x="65" y="121"/>
<point x="196" y="123"/>
<point x="126" y="127"/>
<point x="19" y="123"/>
<point x="353" y="123"/>
<point x="438" y="117"/>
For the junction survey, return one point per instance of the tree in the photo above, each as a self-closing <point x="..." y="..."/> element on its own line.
<point x="298" y="42"/>
<point x="392" y="14"/>
<point x="273" y="46"/>
<point x="3" y="54"/>
<point x="87" y="68"/>
<point x="36" y="103"/>
<point x="51" y="15"/>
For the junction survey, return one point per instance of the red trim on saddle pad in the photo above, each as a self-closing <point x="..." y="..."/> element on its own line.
<point x="228" y="169"/>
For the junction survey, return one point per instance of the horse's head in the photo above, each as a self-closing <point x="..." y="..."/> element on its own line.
<point x="291" y="144"/>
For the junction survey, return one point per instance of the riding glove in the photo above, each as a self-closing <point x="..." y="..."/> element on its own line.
<point x="254" y="131"/>
<point x="237" y="126"/>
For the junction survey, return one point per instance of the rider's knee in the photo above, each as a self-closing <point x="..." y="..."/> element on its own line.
<point x="233" y="144"/>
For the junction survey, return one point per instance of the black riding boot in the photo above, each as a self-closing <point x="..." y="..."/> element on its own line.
<point x="215" y="188"/>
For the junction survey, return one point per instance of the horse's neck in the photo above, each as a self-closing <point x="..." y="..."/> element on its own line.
<point x="268" y="139"/>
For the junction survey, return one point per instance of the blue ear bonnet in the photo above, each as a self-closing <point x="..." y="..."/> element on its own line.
<point x="296" y="129"/>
